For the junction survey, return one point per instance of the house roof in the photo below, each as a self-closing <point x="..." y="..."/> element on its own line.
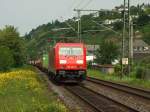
<point x="139" y="42"/>
<point x="92" y="47"/>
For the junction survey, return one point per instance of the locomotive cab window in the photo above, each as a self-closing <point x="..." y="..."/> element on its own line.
<point x="71" y="51"/>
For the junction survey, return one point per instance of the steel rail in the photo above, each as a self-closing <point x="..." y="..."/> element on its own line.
<point x="98" y="101"/>
<point x="122" y="87"/>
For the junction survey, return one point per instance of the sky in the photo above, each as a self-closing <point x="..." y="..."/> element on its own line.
<point x="28" y="14"/>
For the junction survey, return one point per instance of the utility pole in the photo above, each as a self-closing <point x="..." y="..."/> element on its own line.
<point x="131" y="43"/>
<point x="79" y="21"/>
<point x="123" y="38"/>
<point x="125" y="45"/>
<point x="79" y="25"/>
<point x="129" y="37"/>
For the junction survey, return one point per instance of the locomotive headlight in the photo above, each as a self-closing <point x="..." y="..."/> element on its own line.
<point x="79" y="61"/>
<point x="62" y="61"/>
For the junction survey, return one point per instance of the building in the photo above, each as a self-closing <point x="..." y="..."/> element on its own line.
<point x="90" y="52"/>
<point x="140" y="49"/>
<point x="111" y="21"/>
<point x="92" y="48"/>
<point x="120" y="8"/>
<point x="106" y="69"/>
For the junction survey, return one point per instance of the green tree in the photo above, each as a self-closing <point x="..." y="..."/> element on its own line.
<point x="118" y="26"/>
<point x="6" y="58"/>
<point x="10" y="38"/>
<point x="143" y="19"/>
<point x="107" y="52"/>
<point x="146" y="33"/>
<point x="134" y="10"/>
<point x="147" y="11"/>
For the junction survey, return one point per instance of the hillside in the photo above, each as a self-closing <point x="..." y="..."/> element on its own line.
<point x="40" y="38"/>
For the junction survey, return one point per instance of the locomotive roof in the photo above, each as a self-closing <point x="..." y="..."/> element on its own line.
<point x="69" y="44"/>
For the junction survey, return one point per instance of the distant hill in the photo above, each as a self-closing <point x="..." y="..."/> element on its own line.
<point x="44" y="35"/>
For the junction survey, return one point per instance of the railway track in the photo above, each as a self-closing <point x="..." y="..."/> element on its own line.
<point x="122" y="87"/>
<point x="103" y="103"/>
<point x="97" y="101"/>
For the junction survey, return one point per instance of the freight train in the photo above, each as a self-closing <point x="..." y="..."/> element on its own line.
<point x="66" y="62"/>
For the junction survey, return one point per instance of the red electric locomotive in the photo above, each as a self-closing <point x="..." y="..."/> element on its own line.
<point x="67" y="62"/>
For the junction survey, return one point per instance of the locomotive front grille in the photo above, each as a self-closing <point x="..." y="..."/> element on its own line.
<point x="71" y="72"/>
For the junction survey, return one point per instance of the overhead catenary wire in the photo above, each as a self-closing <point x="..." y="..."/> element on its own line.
<point x="79" y="4"/>
<point x="95" y="30"/>
<point x="107" y="27"/>
<point x="69" y="25"/>
<point x="73" y="4"/>
<point x="85" y="6"/>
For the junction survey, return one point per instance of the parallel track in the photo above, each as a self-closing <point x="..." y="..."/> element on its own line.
<point x="101" y="103"/>
<point x="122" y="87"/>
<point x="98" y="101"/>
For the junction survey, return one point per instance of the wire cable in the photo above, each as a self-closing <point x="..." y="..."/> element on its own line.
<point x="87" y="4"/>
<point x="79" y="4"/>
<point x="72" y="5"/>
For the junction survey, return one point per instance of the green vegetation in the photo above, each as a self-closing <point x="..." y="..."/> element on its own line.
<point x="132" y="80"/>
<point x="142" y="68"/>
<point x="146" y="33"/>
<point x="92" y="33"/>
<point x="12" y="46"/>
<point x="45" y="60"/>
<point x="138" y="77"/>
<point x="6" y="58"/>
<point x="23" y="90"/>
<point x="107" y="52"/>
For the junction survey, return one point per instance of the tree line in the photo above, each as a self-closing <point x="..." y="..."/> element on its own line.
<point x="38" y="38"/>
<point x="12" y="48"/>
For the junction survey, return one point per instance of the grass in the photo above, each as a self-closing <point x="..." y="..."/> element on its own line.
<point x="23" y="90"/>
<point x="126" y="79"/>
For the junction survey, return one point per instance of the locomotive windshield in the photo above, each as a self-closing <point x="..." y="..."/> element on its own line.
<point x="71" y="51"/>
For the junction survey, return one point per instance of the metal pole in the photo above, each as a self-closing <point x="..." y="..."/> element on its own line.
<point x="80" y="29"/>
<point x="123" y="37"/>
<point x="131" y="44"/>
<point x="124" y="30"/>
<point x="79" y="21"/>
<point x="78" y="24"/>
<point x="129" y="35"/>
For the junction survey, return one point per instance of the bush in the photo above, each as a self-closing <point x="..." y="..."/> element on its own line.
<point x="146" y="60"/>
<point x="6" y="58"/>
<point x="148" y="66"/>
<point x="140" y="73"/>
<point x="105" y="57"/>
<point x="10" y="38"/>
<point x="89" y="64"/>
<point x="118" y="69"/>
